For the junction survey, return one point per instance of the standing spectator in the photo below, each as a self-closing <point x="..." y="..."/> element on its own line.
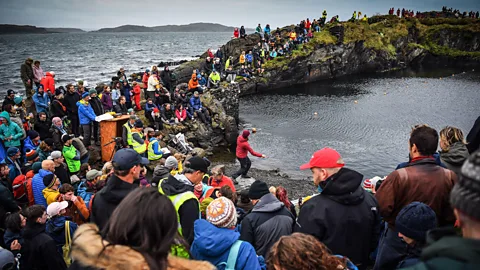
<point x="55" y="226"/>
<point x="7" y="201"/>
<point x="86" y="116"/>
<point x="61" y="170"/>
<point x="166" y="76"/>
<point x="243" y="148"/>
<point x="37" y="72"/>
<point x="342" y="207"/>
<point x="42" y="126"/>
<point x="48" y="167"/>
<point x="454" y="150"/>
<point x="57" y="109"/>
<point x="32" y="141"/>
<point x="98" y="110"/>
<point x="57" y="130"/>
<point x="48" y="83"/>
<point x="45" y="149"/>
<point x="282" y="195"/>
<point x="50" y="192"/>
<point x="70" y="103"/>
<point x="127" y="165"/>
<point x="40" y="249"/>
<point x="116" y="92"/>
<point x="267" y="222"/>
<point x="71" y="154"/>
<point x="422" y="181"/>
<point x="107" y="99"/>
<point x="18" y="117"/>
<point x="10" y="132"/>
<point x="473" y="137"/>
<point x="445" y="249"/>
<point x="13" y="162"/>
<point x="153" y="84"/>
<point x="127" y="131"/>
<point x="26" y="74"/>
<point x="127" y="93"/>
<point x="9" y="99"/>
<point x="42" y="102"/>
<point x="136" y="96"/>
<point x="121" y="74"/>
<point x="221" y="222"/>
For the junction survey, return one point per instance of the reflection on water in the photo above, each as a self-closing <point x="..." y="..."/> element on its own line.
<point x="367" y="120"/>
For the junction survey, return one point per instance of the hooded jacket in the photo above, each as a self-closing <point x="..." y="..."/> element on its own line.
<point x="195" y="103"/>
<point x="447" y="251"/>
<point x="48" y="83"/>
<point x="266" y="223"/>
<point x="90" y="250"/>
<point x="11" y="129"/>
<point x="86" y="114"/>
<point x="55" y="227"/>
<point x="17" y="119"/>
<point x="454" y="157"/>
<point x="29" y="145"/>
<point x="107" y="199"/>
<point x="39" y="251"/>
<point x="189" y="210"/>
<point x="41" y="101"/>
<point x="243" y="148"/>
<point x="213" y="244"/>
<point x="343" y="216"/>
<point x="50" y="195"/>
<point x="38" y="187"/>
<point x="193" y="83"/>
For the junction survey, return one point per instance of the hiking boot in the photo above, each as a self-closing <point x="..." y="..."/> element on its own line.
<point x="235" y="182"/>
<point x="246" y="176"/>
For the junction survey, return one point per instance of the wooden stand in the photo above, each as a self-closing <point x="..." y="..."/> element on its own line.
<point x="109" y="129"/>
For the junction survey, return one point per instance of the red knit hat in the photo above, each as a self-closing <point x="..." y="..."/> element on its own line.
<point x="155" y="110"/>
<point x="245" y="134"/>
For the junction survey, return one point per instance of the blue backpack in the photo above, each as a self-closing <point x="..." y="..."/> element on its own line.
<point x="232" y="256"/>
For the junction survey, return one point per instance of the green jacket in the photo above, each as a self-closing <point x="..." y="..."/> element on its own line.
<point x="72" y="157"/>
<point x="449" y="252"/>
<point x="10" y="130"/>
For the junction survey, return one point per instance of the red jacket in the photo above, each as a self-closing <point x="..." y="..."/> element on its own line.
<point x="236" y="33"/>
<point x="181" y="114"/>
<point x="145" y="79"/>
<point x="48" y="83"/>
<point x="226" y="181"/>
<point x="243" y="147"/>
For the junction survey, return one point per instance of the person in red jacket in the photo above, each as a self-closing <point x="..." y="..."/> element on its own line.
<point x="48" y="83"/>
<point x="243" y="147"/>
<point x="136" y="96"/>
<point x="219" y="179"/>
<point x="236" y="33"/>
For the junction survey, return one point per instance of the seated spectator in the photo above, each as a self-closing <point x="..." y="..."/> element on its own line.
<point x="273" y="54"/>
<point x="50" y="192"/>
<point x="213" y="80"/>
<point x="197" y="107"/>
<point x="149" y="106"/>
<point x="202" y="81"/>
<point x="193" y="83"/>
<point x="181" y="98"/>
<point x="217" y="65"/>
<point x="181" y="113"/>
<point x="168" y="115"/>
<point x="242" y="58"/>
<point x="249" y="58"/>
<point x="41" y="251"/>
<point x="219" y="179"/>
<point x="244" y="73"/>
<point x="231" y="75"/>
<point x="208" y="66"/>
<point x="121" y="107"/>
<point x="301" y="251"/>
<point x="157" y="119"/>
<point x="76" y="209"/>
<point x="236" y="33"/>
<point x="57" y="222"/>
<point x="215" y="238"/>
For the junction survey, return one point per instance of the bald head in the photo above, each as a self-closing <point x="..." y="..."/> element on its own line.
<point x="48" y="165"/>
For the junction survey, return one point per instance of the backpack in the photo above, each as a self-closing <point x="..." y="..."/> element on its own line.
<point x="232" y="256"/>
<point x="66" y="247"/>
<point x="22" y="188"/>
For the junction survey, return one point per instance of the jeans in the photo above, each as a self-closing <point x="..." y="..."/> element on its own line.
<point x="87" y="134"/>
<point x="231" y="77"/>
<point x="391" y="250"/>
<point x="85" y="158"/>
<point x="245" y="165"/>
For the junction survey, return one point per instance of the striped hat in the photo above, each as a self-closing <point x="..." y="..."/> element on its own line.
<point x="31" y="155"/>
<point x="222" y="213"/>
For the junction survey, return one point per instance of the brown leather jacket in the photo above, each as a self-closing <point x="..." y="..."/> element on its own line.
<point x="421" y="181"/>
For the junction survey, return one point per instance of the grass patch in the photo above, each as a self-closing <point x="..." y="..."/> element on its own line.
<point x="280" y="62"/>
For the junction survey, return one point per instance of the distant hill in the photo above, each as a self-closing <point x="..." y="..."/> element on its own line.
<point x="29" y="29"/>
<point x="193" y="27"/>
<point x="65" y="30"/>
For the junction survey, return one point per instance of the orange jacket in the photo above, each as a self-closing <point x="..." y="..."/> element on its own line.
<point x="193" y="83"/>
<point x="31" y="199"/>
<point x="226" y="181"/>
<point x="77" y="210"/>
<point x="242" y="59"/>
<point x="48" y="83"/>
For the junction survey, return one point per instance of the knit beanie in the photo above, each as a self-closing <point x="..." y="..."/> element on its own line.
<point x="171" y="163"/>
<point x="415" y="220"/>
<point x="84" y="95"/>
<point x="465" y="195"/>
<point x="32" y="134"/>
<point x="222" y="213"/>
<point x="17" y="100"/>
<point x="31" y="155"/>
<point x="49" y="180"/>
<point x="257" y="190"/>
<point x="203" y="206"/>
<point x="12" y="151"/>
<point x="49" y="141"/>
<point x="36" y="167"/>
<point x="245" y="134"/>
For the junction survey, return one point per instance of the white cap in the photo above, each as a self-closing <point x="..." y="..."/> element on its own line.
<point x="54" y="208"/>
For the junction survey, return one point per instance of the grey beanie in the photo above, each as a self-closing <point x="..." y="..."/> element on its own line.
<point x="171" y="163"/>
<point x="465" y="195"/>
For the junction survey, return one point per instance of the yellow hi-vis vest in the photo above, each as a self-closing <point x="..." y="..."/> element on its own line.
<point x="129" y="134"/>
<point x="139" y="148"/>
<point x="151" y="153"/>
<point x="177" y="201"/>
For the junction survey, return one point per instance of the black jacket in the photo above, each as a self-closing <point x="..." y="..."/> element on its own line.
<point x="6" y="199"/>
<point x="7" y="101"/>
<point x="56" y="109"/>
<point x="62" y="173"/>
<point x="43" y="128"/>
<point x="97" y="106"/>
<point x="266" y="223"/>
<point x="473" y="137"/>
<point x="39" y="250"/>
<point x="208" y="66"/>
<point x="166" y="77"/>
<point x="70" y="101"/>
<point x="107" y="199"/>
<point x="344" y="217"/>
<point x="189" y="211"/>
<point x="119" y="108"/>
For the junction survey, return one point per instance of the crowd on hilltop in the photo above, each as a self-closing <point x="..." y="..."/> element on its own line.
<point x="445" y="13"/>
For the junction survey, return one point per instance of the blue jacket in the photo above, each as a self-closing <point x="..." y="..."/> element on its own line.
<point x="85" y="113"/>
<point x="10" y="236"/>
<point x="266" y="30"/>
<point x="55" y="227"/>
<point x="202" y="81"/>
<point x="83" y="193"/>
<point x="41" y="102"/>
<point x="14" y="171"/>
<point x="10" y="130"/>
<point x="249" y="58"/>
<point x="126" y="92"/>
<point x="29" y="145"/>
<point x="213" y="244"/>
<point x="196" y="103"/>
<point x="38" y="186"/>
<point x="156" y="147"/>
<point x="149" y="107"/>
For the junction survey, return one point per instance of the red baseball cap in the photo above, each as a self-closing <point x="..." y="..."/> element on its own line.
<point x="324" y="158"/>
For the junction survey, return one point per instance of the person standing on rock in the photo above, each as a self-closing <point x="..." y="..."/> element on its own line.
<point x="243" y="148"/>
<point x="26" y="74"/>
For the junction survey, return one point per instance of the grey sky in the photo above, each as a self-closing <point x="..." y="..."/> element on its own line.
<point x="94" y="14"/>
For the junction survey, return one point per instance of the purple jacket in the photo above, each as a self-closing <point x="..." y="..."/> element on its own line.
<point x="107" y="101"/>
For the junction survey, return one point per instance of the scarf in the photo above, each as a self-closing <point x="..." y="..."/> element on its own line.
<point x="61" y="105"/>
